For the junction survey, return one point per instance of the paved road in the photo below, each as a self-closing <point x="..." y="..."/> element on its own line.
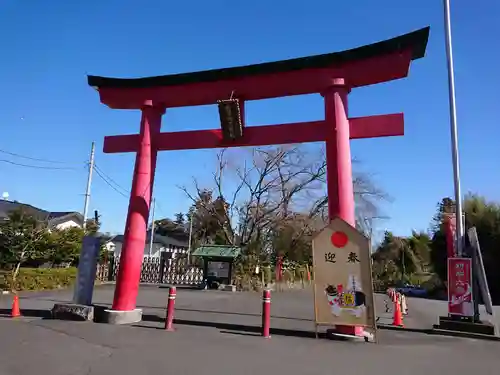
<point x="38" y="346"/>
<point x="290" y="309"/>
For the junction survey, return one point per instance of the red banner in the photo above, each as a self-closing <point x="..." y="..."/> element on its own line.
<point x="279" y="269"/>
<point x="450" y="229"/>
<point x="460" y="287"/>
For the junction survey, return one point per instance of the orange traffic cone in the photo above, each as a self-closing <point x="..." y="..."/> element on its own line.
<point x="15" y="307"/>
<point x="398" y="316"/>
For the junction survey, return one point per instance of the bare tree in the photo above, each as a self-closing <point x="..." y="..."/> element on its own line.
<point x="267" y="188"/>
<point x="274" y="189"/>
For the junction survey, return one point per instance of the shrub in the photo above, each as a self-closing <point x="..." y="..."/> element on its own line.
<point x="39" y="279"/>
<point x="435" y="287"/>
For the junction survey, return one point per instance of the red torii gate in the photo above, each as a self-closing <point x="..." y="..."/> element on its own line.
<point x="332" y="75"/>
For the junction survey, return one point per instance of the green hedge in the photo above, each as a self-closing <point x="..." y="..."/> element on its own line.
<point x="39" y="279"/>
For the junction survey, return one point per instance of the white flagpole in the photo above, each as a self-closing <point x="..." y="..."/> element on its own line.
<point x="453" y="129"/>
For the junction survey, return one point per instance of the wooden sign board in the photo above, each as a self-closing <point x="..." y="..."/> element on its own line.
<point x="343" y="288"/>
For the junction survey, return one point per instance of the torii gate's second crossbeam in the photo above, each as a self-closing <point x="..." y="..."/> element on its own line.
<point x="302" y="132"/>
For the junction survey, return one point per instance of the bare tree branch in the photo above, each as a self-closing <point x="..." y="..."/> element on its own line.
<point x="278" y="188"/>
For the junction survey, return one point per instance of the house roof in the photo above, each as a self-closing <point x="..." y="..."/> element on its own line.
<point x="6" y="207"/>
<point x="217" y="251"/>
<point x="55" y="215"/>
<point x="162" y="240"/>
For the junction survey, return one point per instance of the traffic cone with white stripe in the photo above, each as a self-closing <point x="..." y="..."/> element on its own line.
<point x="397" y="320"/>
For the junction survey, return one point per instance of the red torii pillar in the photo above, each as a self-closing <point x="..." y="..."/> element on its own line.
<point x="338" y="153"/>
<point x="381" y="62"/>
<point x="129" y="271"/>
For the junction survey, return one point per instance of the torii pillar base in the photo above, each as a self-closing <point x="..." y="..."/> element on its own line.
<point x="120" y="317"/>
<point x="456" y="324"/>
<point x="362" y="335"/>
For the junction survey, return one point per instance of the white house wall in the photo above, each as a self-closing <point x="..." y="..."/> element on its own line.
<point x="116" y="248"/>
<point x="68" y="224"/>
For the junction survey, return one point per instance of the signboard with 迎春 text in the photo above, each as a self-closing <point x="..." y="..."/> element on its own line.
<point x="343" y="289"/>
<point x="460" y="300"/>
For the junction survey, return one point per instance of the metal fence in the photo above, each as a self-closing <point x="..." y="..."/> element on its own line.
<point x="169" y="268"/>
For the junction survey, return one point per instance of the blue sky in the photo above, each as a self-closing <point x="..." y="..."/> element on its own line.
<point x="48" y="111"/>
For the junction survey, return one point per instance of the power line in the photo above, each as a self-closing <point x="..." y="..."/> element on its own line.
<point x="116" y="186"/>
<point x="35" y="166"/>
<point x="110" y="179"/>
<point x="109" y="183"/>
<point x="158" y="205"/>
<point x="31" y="158"/>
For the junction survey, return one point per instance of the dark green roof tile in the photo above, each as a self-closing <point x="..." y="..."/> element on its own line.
<point x="415" y="41"/>
<point x="217" y="251"/>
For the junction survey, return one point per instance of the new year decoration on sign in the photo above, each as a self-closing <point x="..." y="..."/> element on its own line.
<point x="343" y="289"/>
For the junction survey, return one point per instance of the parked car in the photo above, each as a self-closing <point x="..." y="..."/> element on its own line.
<point x="412" y="291"/>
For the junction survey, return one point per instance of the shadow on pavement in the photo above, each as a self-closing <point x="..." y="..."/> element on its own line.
<point x="235" y="313"/>
<point x="404" y="329"/>
<point x="187" y="310"/>
<point x="179" y="287"/>
<point x="240" y="333"/>
<point x="30" y="313"/>
<point x="233" y="327"/>
<point x="228" y="328"/>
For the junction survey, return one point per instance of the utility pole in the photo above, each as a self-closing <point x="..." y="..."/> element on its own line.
<point x="151" y="237"/>
<point x="453" y="128"/>
<point x="89" y="183"/>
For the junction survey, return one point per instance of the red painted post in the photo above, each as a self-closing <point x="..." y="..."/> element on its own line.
<point x="279" y="269"/>
<point x="450" y="232"/>
<point x="127" y="283"/>
<point x="266" y="313"/>
<point x="338" y="164"/>
<point x="393" y="295"/>
<point x="169" y="319"/>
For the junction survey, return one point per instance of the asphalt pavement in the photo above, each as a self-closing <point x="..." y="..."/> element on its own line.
<point x="291" y="309"/>
<point x="205" y="340"/>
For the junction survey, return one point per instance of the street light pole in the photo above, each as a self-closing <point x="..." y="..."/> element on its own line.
<point x="151" y="237"/>
<point x="190" y="236"/>
<point x="453" y="129"/>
